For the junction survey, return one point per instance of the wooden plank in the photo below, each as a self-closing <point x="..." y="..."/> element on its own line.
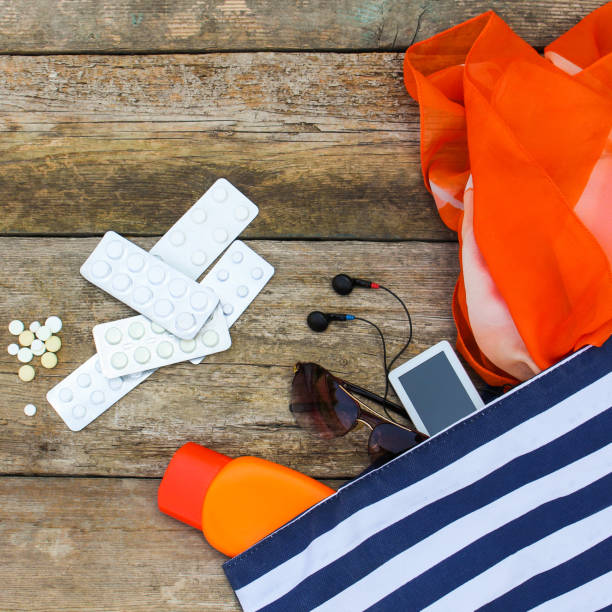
<point x="75" y="544"/>
<point x="236" y="401"/>
<point x="50" y="26"/>
<point x="325" y="144"/>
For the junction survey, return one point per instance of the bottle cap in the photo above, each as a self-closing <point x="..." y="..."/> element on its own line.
<point x="186" y="480"/>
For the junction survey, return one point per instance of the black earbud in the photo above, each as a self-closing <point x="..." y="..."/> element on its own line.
<point x="318" y="321"/>
<point x="343" y="284"/>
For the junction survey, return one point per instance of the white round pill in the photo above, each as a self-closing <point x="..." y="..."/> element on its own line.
<point x="157" y="329"/>
<point x="242" y="291"/>
<point x="220" y="235"/>
<point x="256" y="273"/>
<point x="53" y="323"/>
<point x="165" y="349"/>
<point x="119" y="360"/>
<point x="136" y="330"/>
<point x="113" y="335"/>
<point x="115" y="383"/>
<point x="115" y="249"/>
<point x="26" y="373"/>
<point x="237" y="257"/>
<point x="96" y="397"/>
<point x="34" y="325"/>
<point x="24" y="355"/>
<point x="100" y="269"/>
<point x="177" y="287"/>
<point x="219" y="194"/>
<point x="12" y="348"/>
<point x="48" y="360"/>
<point x="84" y="380"/>
<point x="198" y="215"/>
<point x="142" y="354"/>
<point x="26" y="338"/>
<point x="156" y="275"/>
<point x="142" y="295"/>
<point x="198" y="258"/>
<point x="135" y="262"/>
<point x="185" y="320"/>
<point x="187" y="346"/>
<point x="222" y="275"/>
<point x="43" y="333"/>
<point x="37" y="347"/>
<point x="65" y="395"/>
<point x="29" y="410"/>
<point x="78" y="411"/>
<point x="163" y="308"/>
<point x="177" y="238"/>
<point x="122" y="282"/>
<point x="227" y="309"/>
<point x="16" y="327"/>
<point x="241" y="213"/>
<point x="210" y="338"/>
<point x="198" y="300"/>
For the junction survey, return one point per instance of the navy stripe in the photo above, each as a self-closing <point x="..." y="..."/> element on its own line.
<point x="583" y="568"/>
<point x="388" y="543"/>
<point x="504" y="414"/>
<point x="496" y="546"/>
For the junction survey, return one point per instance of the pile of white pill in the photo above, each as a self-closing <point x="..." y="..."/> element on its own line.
<point x="37" y="341"/>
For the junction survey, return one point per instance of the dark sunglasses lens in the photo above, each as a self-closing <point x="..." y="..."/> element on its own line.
<point x="388" y="439"/>
<point x="319" y="404"/>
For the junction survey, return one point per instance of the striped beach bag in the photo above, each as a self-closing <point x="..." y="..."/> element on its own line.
<point x="509" y="509"/>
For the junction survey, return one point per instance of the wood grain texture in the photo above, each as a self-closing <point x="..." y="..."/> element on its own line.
<point x="75" y="544"/>
<point x="236" y="401"/>
<point x="325" y="144"/>
<point x="51" y="26"/>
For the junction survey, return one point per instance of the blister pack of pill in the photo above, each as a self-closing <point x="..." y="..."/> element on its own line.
<point x="86" y="393"/>
<point x="135" y="344"/>
<point x="237" y="278"/>
<point x="206" y="229"/>
<point x="149" y="285"/>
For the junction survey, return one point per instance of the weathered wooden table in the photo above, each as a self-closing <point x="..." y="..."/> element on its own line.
<point x="119" y="115"/>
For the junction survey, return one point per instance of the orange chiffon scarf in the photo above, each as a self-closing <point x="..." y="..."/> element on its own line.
<point x="516" y="150"/>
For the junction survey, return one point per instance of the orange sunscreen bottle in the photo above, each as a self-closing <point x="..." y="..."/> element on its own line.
<point x="235" y="502"/>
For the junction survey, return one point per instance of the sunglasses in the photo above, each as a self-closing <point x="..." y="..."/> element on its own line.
<point x="326" y="405"/>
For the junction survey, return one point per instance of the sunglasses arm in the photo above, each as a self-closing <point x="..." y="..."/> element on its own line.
<point x="375" y="398"/>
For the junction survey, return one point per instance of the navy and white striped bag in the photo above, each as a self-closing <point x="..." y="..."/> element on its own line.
<point x="510" y="509"/>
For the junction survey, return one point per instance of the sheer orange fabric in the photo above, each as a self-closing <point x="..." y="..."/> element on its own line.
<point x="516" y="150"/>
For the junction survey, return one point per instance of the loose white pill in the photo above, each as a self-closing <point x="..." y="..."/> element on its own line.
<point x="53" y="323"/>
<point x="25" y="355"/>
<point x="34" y="325"/>
<point x="12" y="348"/>
<point x="37" y="347"/>
<point x="16" y="327"/>
<point x="26" y="373"/>
<point x="43" y="333"/>
<point x="29" y="410"/>
<point x="48" y="360"/>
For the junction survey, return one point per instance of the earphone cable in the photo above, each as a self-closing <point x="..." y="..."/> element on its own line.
<point x="409" y="327"/>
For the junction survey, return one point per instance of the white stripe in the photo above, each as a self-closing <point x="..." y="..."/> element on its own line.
<point x="347" y="535"/>
<point x="455" y="536"/>
<point x="442" y="197"/>
<point x="541" y="556"/>
<point x="593" y="595"/>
